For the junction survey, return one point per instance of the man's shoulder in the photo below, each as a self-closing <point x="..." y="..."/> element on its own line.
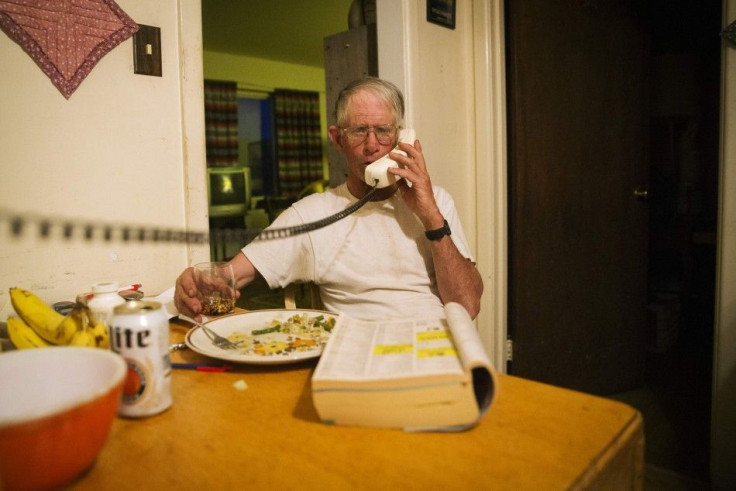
<point x="441" y="195"/>
<point x="327" y="199"/>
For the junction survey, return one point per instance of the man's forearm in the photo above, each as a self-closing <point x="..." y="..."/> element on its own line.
<point x="458" y="280"/>
<point x="244" y="270"/>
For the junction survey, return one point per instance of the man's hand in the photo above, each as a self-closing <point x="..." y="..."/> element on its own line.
<point x="419" y="197"/>
<point x="457" y="278"/>
<point x="185" y="295"/>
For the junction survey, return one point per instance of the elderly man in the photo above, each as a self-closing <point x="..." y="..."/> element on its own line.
<point x="402" y="254"/>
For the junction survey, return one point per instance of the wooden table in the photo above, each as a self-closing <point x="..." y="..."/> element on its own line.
<point x="214" y="436"/>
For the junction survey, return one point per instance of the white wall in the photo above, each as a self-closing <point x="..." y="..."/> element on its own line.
<point x="434" y="70"/>
<point x="114" y="151"/>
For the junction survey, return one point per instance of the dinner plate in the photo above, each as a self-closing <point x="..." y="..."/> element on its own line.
<point x="245" y="323"/>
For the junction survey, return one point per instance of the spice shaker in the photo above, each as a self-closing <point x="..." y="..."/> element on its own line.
<point x="104" y="299"/>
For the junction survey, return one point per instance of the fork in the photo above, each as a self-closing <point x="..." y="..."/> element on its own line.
<point x="217" y="340"/>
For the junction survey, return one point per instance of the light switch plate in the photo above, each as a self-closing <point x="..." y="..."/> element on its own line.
<point x="147" y="51"/>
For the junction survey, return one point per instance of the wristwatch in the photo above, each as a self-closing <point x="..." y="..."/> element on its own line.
<point x="438" y="233"/>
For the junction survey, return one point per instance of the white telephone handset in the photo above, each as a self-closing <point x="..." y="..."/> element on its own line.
<point x="378" y="170"/>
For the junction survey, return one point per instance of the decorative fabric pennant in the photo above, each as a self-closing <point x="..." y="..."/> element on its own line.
<point x="66" y="38"/>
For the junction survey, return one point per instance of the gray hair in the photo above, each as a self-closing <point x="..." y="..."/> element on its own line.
<point x="384" y="89"/>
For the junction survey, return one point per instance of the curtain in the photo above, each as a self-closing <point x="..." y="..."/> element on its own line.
<point x="221" y="122"/>
<point x="298" y="140"/>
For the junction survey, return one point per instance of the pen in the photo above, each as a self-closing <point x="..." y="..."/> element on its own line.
<point x="201" y="368"/>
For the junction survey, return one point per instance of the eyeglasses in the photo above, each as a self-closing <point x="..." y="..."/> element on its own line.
<point x="384" y="134"/>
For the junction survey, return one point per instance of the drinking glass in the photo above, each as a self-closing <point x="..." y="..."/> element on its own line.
<point x="215" y="287"/>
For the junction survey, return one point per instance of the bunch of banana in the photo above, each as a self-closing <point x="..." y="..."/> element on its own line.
<point x="40" y="325"/>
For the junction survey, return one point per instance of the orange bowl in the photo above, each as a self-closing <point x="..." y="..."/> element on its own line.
<point x="56" y="409"/>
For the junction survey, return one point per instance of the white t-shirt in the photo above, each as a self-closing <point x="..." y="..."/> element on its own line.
<point x="374" y="264"/>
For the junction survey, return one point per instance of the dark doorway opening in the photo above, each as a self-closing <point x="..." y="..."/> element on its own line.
<point x="682" y="129"/>
<point x="683" y="201"/>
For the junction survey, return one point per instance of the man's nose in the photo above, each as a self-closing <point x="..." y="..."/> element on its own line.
<point x="371" y="143"/>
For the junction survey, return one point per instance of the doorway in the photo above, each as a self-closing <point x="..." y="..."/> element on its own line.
<point x="255" y="143"/>
<point x="682" y="126"/>
<point x="683" y="203"/>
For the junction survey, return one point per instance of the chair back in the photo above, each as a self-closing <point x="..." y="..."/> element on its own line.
<point x="304" y="295"/>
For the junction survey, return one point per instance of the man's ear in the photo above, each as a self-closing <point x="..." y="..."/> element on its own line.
<point x="335" y="137"/>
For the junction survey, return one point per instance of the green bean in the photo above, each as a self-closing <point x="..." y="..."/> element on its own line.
<point x="326" y="325"/>
<point x="267" y="330"/>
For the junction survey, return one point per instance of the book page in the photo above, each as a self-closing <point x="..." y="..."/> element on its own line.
<point x="366" y="350"/>
<point x="417" y="374"/>
<point x="466" y="337"/>
<point x="472" y="354"/>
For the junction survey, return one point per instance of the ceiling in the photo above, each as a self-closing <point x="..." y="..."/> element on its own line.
<point x="291" y="31"/>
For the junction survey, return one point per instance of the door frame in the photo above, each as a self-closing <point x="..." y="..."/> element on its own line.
<point x="491" y="180"/>
<point x="723" y="421"/>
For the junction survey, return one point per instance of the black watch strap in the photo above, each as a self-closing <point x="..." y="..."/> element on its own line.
<point x="438" y="233"/>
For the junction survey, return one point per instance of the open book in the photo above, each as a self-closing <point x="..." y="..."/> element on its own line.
<point x="419" y="375"/>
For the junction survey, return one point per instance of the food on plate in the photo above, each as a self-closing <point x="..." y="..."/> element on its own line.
<point x="300" y="332"/>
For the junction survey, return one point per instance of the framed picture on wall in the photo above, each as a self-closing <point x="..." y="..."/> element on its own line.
<point x="441" y="12"/>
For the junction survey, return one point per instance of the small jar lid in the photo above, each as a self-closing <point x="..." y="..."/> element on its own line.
<point x="106" y="287"/>
<point x="63" y="307"/>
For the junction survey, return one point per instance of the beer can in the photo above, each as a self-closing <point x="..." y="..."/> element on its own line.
<point x="139" y="331"/>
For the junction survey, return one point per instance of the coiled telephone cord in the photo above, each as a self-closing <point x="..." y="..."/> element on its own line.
<point x="279" y="233"/>
<point x="17" y="225"/>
